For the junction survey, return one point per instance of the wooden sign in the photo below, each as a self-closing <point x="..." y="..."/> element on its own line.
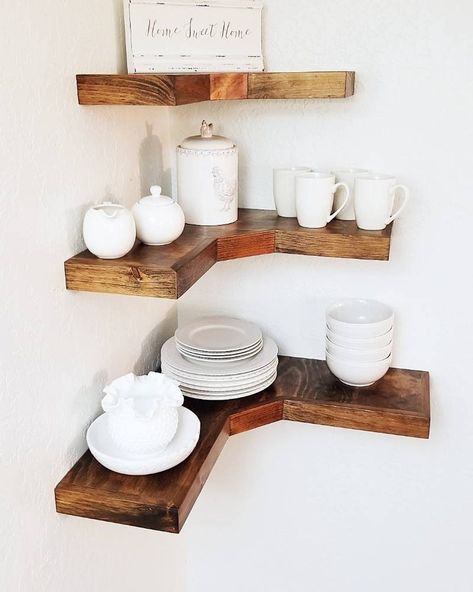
<point x="193" y="36"/>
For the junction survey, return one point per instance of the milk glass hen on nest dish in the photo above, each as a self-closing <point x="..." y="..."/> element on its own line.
<point x="144" y="428"/>
<point x="142" y="411"/>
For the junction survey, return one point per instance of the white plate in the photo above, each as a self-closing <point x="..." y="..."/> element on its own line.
<point x="229" y="392"/>
<point x="228" y="397"/>
<point x="223" y="387"/>
<point x="205" y="361"/>
<point x="108" y="455"/>
<point x="206" y="353"/>
<point x="213" y="380"/>
<point x="245" y="354"/>
<point x="213" y="385"/>
<point x="216" y="334"/>
<point x="171" y="357"/>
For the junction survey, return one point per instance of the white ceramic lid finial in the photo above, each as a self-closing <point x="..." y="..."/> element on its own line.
<point x="206" y="129"/>
<point x="156" y="190"/>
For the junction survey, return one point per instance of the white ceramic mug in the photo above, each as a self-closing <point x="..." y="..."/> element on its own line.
<point x="374" y="200"/>
<point x="284" y="190"/>
<point x="347" y="175"/>
<point x="314" y="199"/>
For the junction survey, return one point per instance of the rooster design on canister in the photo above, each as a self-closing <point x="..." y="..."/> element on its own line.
<point x="225" y="189"/>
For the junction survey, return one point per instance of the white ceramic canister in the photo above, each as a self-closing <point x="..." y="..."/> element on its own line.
<point x="207" y="178"/>
<point x="159" y="219"/>
<point x="109" y="230"/>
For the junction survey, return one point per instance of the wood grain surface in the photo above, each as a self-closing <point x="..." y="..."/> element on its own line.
<point x="183" y="89"/>
<point x="169" y="271"/>
<point x="305" y="391"/>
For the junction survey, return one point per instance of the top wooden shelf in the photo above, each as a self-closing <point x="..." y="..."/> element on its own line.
<point x="183" y="89"/>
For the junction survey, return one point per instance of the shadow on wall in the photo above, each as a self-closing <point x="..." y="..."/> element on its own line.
<point x="151" y="163"/>
<point x="120" y="47"/>
<point x="151" y="173"/>
<point x="150" y="358"/>
<point x="86" y="393"/>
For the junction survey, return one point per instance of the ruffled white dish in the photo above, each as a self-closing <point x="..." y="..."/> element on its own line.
<point x="142" y="412"/>
<point x="114" y="458"/>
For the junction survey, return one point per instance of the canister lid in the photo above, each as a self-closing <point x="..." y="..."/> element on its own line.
<point x="206" y="140"/>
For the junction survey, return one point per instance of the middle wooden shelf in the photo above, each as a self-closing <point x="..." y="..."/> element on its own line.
<point x="169" y="271"/>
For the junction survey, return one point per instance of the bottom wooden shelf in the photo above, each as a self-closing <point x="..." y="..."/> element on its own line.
<point x="305" y="391"/>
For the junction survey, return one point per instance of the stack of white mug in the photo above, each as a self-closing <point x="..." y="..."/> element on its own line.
<point x="316" y="197"/>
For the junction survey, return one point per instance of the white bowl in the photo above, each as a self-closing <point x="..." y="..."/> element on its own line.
<point x="366" y="343"/>
<point x="358" y="355"/>
<point x="358" y="373"/>
<point x="112" y="457"/>
<point x="357" y="317"/>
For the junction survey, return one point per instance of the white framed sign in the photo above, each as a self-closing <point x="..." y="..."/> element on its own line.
<point x="193" y="36"/>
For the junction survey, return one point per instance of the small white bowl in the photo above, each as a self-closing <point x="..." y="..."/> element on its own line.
<point x="358" y="355"/>
<point x="367" y="343"/>
<point x="112" y="457"/>
<point x="359" y="373"/>
<point x="357" y="317"/>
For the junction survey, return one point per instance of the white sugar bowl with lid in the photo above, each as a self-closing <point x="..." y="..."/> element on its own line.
<point x="207" y="178"/>
<point x="159" y="219"/>
<point x="109" y="230"/>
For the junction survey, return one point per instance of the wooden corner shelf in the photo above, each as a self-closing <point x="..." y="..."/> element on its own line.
<point x="305" y="391"/>
<point x="169" y="271"/>
<point x="183" y="89"/>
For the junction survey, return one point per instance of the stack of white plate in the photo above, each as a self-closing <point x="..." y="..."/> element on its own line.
<point x="359" y="340"/>
<point x="219" y="339"/>
<point x="220" y="358"/>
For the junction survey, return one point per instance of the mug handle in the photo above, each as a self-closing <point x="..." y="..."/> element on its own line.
<point x="406" y="192"/>
<point x="347" y="197"/>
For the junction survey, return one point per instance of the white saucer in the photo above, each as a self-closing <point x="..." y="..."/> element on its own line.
<point x="108" y="455"/>
<point x="171" y="357"/>
<point x="218" y="334"/>
<point x="229" y="397"/>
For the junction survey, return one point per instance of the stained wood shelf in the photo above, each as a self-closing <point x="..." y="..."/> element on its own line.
<point x="305" y="391"/>
<point x="182" y="89"/>
<point x="169" y="271"/>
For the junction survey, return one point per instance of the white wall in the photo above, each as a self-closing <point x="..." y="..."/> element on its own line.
<point x="295" y="507"/>
<point x="58" y="349"/>
<point x="289" y="506"/>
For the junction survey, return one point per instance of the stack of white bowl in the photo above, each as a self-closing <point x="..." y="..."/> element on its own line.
<point x="359" y="340"/>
